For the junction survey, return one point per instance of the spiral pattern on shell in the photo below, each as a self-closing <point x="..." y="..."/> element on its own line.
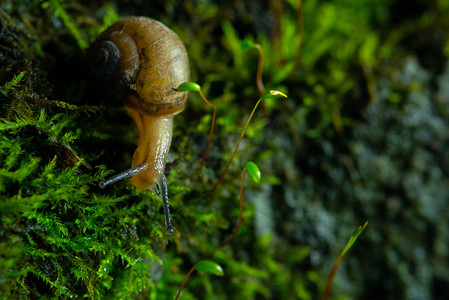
<point x="141" y="61"/>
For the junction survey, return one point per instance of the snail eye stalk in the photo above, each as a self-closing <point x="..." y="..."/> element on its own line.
<point x="123" y="175"/>
<point x="163" y="193"/>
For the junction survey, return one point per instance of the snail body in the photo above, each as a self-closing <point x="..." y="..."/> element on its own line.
<point x="139" y="61"/>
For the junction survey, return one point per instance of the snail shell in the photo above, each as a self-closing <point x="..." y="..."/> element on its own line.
<point x="139" y="61"/>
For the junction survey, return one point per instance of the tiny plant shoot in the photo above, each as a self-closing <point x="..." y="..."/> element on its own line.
<point x="9" y="85"/>
<point x="269" y="94"/>
<point x="195" y="87"/>
<point x="211" y="266"/>
<point x="254" y="172"/>
<point x="330" y="279"/>
<point x="247" y="44"/>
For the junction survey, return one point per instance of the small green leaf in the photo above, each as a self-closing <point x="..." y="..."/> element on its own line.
<point x="188" y="86"/>
<point x="354" y="236"/>
<point x="253" y="171"/>
<point x="247" y="44"/>
<point x="273" y="93"/>
<point x="209" y="267"/>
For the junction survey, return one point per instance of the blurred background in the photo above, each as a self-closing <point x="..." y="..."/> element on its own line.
<point x="362" y="136"/>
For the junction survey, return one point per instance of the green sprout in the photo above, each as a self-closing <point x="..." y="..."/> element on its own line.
<point x="211" y="266"/>
<point x="247" y="44"/>
<point x="9" y="85"/>
<point x="269" y="94"/>
<point x="195" y="87"/>
<point x="330" y="279"/>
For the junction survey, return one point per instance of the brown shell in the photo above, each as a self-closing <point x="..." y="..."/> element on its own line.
<point x="164" y="65"/>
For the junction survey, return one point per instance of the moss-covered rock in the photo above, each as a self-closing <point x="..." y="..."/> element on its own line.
<point x="362" y="137"/>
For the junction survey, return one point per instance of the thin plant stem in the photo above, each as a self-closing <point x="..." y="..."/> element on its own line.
<point x="211" y="129"/>
<point x="276" y="12"/>
<point x="237" y="228"/>
<point x="336" y="120"/>
<point x="300" y="26"/>
<point x="259" y="81"/>
<point x="184" y="282"/>
<point x="236" y="147"/>
<point x="226" y="242"/>
<point x="330" y="279"/>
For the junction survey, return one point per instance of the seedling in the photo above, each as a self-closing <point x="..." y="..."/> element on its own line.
<point x="9" y="85"/>
<point x="195" y="87"/>
<point x="247" y="44"/>
<point x="211" y="266"/>
<point x="330" y="279"/>
<point x="269" y="94"/>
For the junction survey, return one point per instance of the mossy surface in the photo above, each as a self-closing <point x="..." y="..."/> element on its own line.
<point x="362" y="137"/>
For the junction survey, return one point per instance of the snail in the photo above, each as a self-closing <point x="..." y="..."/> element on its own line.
<point x="139" y="61"/>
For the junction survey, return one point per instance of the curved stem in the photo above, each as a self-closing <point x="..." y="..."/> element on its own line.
<point x="236" y="147"/>
<point x="184" y="282"/>
<point x="328" y="288"/>
<point x="237" y="228"/>
<point x="330" y="279"/>
<point x="211" y="129"/>
<point x="300" y="35"/>
<point x="259" y="81"/>
<point x="226" y="242"/>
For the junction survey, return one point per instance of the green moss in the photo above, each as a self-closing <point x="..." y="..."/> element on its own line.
<point x="68" y="240"/>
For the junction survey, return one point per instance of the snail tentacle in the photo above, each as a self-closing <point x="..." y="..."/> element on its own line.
<point x="162" y="185"/>
<point x="123" y="175"/>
